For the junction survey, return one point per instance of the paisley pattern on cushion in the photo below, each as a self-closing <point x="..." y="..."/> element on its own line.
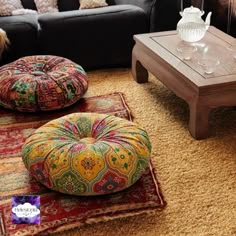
<point x="87" y="154"/>
<point x="41" y="83"/>
<point x="87" y="4"/>
<point x="8" y="6"/>
<point x="44" y="6"/>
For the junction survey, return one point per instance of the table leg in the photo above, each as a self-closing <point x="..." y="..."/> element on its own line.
<point x="140" y="74"/>
<point x="198" y="122"/>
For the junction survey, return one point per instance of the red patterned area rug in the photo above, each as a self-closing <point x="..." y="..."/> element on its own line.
<point x="59" y="211"/>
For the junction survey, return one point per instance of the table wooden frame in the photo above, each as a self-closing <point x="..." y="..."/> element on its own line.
<point x="202" y="92"/>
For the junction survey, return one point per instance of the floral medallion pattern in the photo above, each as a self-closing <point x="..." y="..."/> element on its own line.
<point x="87" y="154"/>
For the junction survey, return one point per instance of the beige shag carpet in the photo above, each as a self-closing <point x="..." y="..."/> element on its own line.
<point x="198" y="178"/>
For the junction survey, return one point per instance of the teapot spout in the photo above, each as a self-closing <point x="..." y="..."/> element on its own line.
<point x="208" y="20"/>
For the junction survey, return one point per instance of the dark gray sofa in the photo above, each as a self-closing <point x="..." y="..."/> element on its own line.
<point x="94" y="38"/>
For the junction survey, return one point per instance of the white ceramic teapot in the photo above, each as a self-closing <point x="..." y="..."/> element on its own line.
<point x="191" y="28"/>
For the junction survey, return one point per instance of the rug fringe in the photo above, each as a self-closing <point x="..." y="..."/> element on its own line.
<point x="156" y="182"/>
<point x="2" y="226"/>
<point x="125" y="103"/>
<point x="96" y="220"/>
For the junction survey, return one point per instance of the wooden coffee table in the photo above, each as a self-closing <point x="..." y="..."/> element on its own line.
<point x="157" y="53"/>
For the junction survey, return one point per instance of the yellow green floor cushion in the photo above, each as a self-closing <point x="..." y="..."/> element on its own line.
<point x="87" y="154"/>
<point x="41" y="83"/>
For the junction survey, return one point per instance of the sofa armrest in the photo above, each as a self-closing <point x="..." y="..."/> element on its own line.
<point x="146" y="5"/>
<point x="162" y="14"/>
<point x="22" y="32"/>
<point x="219" y="16"/>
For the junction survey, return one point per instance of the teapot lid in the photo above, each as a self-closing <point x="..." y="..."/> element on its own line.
<point x="192" y="10"/>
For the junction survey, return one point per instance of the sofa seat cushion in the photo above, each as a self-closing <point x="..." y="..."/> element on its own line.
<point x="87" y="154"/>
<point x="113" y="26"/>
<point x="41" y="83"/>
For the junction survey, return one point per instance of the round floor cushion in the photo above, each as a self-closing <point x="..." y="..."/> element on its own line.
<point x="41" y="83"/>
<point x="87" y="154"/>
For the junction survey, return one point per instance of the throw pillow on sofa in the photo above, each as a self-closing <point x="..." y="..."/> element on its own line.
<point x="86" y="4"/>
<point x="44" y="6"/>
<point x="7" y="6"/>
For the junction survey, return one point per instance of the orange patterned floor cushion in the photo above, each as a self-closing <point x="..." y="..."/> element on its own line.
<point x="41" y="83"/>
<point x="87" y="154"/>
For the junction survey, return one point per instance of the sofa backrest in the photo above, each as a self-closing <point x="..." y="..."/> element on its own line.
<point x="63" y="5"/>
<point x="28" y="4"/>
<point x="68" y="5"/>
